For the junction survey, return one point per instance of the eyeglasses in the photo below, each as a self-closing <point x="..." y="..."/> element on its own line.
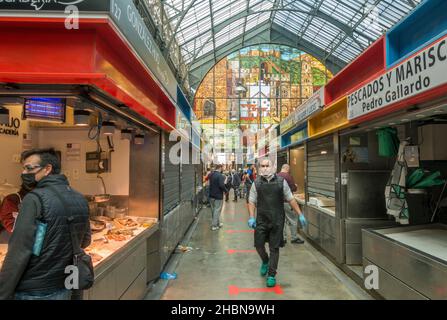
<point x="30" y="167"/>
<point x="265" y="166"/>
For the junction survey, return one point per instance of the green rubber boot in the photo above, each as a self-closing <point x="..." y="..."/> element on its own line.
<point x="271" y="282"/>
<point x="264" y="269"/>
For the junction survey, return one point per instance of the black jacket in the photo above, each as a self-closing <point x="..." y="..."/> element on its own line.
<point x="217" y="185"/>
<point x="235" y="180"/>
<point x="24" y="272"/>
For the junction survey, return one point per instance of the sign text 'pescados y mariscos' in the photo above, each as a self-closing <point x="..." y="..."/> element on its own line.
<point x="424" y="71"/>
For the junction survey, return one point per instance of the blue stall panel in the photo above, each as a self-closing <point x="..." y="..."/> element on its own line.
<point x="289" y="139"/>
<point x="423" y="26"/>
<point x="183" y="104"/>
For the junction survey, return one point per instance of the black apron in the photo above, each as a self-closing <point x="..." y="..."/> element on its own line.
<point x="270" y="212"/>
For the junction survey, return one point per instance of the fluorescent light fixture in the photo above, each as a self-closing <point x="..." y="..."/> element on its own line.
<point x="126" y="134"/>
<point x="4" y="116"/>
<point x="139" y="138"/>
<point x="324" y="152"/>
<point x="108" y="128"/>
<point x="81" y="118"/>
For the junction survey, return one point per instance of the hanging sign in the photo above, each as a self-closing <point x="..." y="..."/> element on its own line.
<point x="422" y="72"/>
<point x="54" y="5"/>
<point x="127" y="18"/>
<point x="304" y="111"/>
<point x="12" y="128"/>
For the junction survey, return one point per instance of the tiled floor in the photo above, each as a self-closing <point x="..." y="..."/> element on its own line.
<point x="210" y="271"/>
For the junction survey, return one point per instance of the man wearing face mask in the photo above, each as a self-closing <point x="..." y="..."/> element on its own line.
<point x="39" y="274"/>
<point x="267" y="196"/>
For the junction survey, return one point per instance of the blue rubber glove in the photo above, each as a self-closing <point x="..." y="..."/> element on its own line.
<point x="303" y="220"/>
<point x="252" y="223"/>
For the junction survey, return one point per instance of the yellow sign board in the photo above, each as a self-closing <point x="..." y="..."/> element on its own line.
<point x="332" y="118"/>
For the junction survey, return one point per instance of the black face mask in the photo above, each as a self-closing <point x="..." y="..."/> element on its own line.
<point x="29" y="181"/>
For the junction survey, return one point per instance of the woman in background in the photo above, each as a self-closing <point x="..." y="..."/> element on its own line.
<point x="9" y="209"/>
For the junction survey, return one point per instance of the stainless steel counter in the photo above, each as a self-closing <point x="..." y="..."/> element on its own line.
<point x="324" y="229"/>
<point x="328" y="210"/>
<point x="412" y="260"/>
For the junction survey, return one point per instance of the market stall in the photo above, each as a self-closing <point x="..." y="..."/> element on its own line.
<point x="294" y="134"/>
<point x="96" y="148"/>
<point x="407" y="116"/>
<point x="420" y="194"/>
<point x="322" y="171"/>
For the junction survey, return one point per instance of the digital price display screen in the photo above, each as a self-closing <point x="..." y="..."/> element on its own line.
<point x="45" y="109"/>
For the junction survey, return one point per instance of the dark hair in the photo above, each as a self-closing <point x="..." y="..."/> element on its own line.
<point x="47" y="156"/>
<point x="218" y="167"/>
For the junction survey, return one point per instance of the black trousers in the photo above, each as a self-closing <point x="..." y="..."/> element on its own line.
<point x="236" y="192"/>
<point x="273" y="260"/>
<point x="272" y="234"/>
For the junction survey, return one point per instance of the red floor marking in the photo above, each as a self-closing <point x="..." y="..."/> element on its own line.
<point x="232" y="251"/>
<point x="235" y="290"/>
<point x="240" y="231"/>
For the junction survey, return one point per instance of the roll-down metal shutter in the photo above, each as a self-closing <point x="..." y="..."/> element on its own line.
<point x="321" y="167"/>
<point x="171" y="184"/>
<point x="188" y="179"/>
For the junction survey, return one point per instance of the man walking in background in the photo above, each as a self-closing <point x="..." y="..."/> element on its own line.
<point x="217" y="191"/>
<point x="235" y="183"/>
<point x="291" y="219"/>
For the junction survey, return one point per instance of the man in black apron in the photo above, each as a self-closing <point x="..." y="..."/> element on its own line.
<point x="267" y="195"/>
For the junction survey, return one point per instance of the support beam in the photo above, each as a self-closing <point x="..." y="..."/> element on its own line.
<point x="179" y="22"/>
<point x="363" y="17"/>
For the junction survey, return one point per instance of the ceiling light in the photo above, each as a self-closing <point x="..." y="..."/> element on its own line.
<point x="323" y="152"/>
<point x="108" y="128"/>
<point x="139" y="139"/>
<point x="405" y="120"/>
<point x="81" y="117"/>
<point x="4" y="116"/>
<point x="438" y="111"/>
<point x="420" y="115"/>
<point x="126" y="134"/>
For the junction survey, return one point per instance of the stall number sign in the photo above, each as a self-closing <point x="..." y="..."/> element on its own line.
<point x="311" y="106"/>
<point x="424" y="71"/>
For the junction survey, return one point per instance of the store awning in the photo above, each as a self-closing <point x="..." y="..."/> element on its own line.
<point x="40" y="50"/>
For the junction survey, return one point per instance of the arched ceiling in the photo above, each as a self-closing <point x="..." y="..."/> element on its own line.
<point x="334" y="31"/>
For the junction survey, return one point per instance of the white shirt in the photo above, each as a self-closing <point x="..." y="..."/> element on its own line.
<point x="253" y="197"/>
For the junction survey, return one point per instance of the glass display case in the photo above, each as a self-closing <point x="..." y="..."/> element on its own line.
<point x="110" y="235"/>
